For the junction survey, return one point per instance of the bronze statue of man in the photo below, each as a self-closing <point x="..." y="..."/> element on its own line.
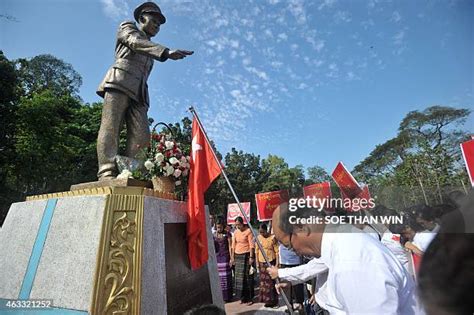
<point x="125" y="89"/>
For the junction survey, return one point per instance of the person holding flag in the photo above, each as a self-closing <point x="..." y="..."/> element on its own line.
<point x="205" y="167"/>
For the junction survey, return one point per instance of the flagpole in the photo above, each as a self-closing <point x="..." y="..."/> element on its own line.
<point x="193" y="111"/>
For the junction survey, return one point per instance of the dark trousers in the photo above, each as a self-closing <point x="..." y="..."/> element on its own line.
<point x="296" y="293"/>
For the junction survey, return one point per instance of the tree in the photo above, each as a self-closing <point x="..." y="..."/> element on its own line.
<point x="278" y="175"/>
<point x="54" y="143"/>
<point x="244" y="173"/>
<point x="9" y="97"/>
<point x="317" y="174"/>
<point x="422" y="161"/>
<point x="46" y="72"/>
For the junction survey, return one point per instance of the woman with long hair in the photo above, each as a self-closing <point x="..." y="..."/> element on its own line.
<point x="223" y="244"/>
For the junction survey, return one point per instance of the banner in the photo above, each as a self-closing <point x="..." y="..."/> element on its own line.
<point x="322" y="191"/>
<point x="233" y="212"/>
<point x="348" y="185"/>
<point x="467" y="149"/>
<point x="268" y="202"/>
<point x="318" y="190"/>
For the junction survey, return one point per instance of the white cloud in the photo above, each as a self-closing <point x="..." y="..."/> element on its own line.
<point x="115" y="9"/>
<point x="396" y="17"/>
<point x="326" y="3"/>
<point x="342" y="16"/>
<point x="333" y="71"/>
<point x="276" y="64"/>
<point x="259" y="73"/>
<point x="221" y="22"/>
<point x="398" y="38"/>
<point x="296" y="8"/>
<point x="367" y="24"/>
<point x="283" y="36"/>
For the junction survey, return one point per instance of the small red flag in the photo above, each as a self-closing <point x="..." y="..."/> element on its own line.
<point x="267" y="203"/>
<point x="467" y="149"/>
<point x="346" y="182"/>
<point x="204" y="169"/>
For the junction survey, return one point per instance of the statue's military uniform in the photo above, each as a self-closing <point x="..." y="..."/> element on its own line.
<point x="125" y="92"/>
<point x="134" y="54"/>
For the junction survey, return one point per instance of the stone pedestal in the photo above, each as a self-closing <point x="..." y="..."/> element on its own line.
<point x="106" y="250"/>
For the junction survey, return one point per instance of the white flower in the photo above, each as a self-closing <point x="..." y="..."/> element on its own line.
<point x="173" y="160"/>
<point x="169" y="145"/>
<point x="177" y="183"/>
<point x="149" y="165"/>
<point x="159" y="157"/>
<point x="185" y="172"/>
<point x="125" y="174"/>
<point x="183" y="160"/>
<point x="177" y="173"/>
<point x="169" y="170"/>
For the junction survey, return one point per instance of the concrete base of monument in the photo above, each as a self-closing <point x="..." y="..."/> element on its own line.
<point x="103" y="251"/>
<point x="129" y="182"/>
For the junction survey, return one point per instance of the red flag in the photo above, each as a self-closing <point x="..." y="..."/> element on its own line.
<point x="318" y="190"/>
<point x="346" y="182"/>
<point x="204" y="169"/>
<point x="322" y="191"/>
<point x="467" y="149"/>
<point x="268" y="202"/>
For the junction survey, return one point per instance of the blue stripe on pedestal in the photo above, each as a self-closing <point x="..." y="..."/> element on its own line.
<point x="38" y="246"/>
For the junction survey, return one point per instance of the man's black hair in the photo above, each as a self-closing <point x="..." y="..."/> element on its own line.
<point x="426" y="213"/>
<point x="240" y="220"/>
<point x="220" y="220"/>
<point x="263" y="226"/>
<point x="446" y="277"/>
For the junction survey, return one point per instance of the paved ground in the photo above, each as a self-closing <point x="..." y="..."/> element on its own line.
<point x="256" y="308"/>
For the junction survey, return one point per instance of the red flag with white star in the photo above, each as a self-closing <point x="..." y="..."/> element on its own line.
<point x="204" y="169"/>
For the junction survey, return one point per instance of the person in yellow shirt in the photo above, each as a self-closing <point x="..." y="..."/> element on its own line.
<point x="268" y="294"/>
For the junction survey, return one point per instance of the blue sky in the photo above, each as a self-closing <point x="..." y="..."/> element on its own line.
<point x="315" y="82"/>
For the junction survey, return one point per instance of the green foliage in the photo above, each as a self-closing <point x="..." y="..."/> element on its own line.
<point x="422" y="163"/>
<point x="53" y="143"/>
<point x="46" y="72"/>
<point x="48" y="136"/>
<point x="317" y="174"/>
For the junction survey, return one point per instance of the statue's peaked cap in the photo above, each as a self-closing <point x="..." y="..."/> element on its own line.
<point x="149" y="7"/>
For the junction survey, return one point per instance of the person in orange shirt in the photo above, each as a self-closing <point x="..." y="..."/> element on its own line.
<point x="243" y="255"/>
<point x="268" y="293"/>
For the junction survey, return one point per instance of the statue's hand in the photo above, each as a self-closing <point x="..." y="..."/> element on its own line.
<point x="179" y="54"/>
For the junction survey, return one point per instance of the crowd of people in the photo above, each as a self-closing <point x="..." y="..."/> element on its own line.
<point x="405" y="268"/>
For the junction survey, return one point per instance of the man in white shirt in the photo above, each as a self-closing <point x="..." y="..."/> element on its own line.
<point x="364" y="277"/>
<point x="427" y="219"/>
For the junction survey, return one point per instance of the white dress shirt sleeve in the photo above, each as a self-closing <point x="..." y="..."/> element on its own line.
<point x="304" y="272"/>
<point x="379" y="292"/>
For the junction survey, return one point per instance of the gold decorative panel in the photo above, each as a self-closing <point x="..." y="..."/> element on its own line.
<point x="118" y="277"/>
